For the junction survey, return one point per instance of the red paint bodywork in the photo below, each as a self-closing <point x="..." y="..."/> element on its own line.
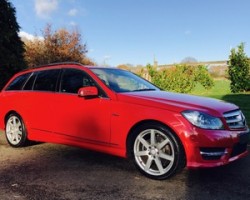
<point x="103" y="124"/>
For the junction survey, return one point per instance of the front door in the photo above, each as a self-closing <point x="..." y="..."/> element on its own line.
<point x="77" y="117"/>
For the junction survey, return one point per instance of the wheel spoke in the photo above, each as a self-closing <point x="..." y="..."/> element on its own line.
<point x="10" y="125"/>
<point x="141" y="153"/>
<point x="149" y="163"/>
<point x="144" y="142"/>
<point x="19" y="132"/>
<point x="18" y="135"/>
<point x="162" y="144"/>
<point x="12" y="136"/>
<point x="159" y="165"/>
<point x="14" y="121"/>
<point x="166" y="157"/>
<point x="18" y="124"/>
<point x="152" y="137"/>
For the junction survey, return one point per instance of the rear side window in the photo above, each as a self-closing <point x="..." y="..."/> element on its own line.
<point x="46" y="80"/>
<point x="73" y="80"/>
<point x="30" y="82"/>
<point x="18" y="82"/>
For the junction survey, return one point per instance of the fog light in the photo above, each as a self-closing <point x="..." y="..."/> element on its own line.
<point x="212" y="153"/>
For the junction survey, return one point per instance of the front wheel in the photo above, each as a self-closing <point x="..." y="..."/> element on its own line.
<point x="156" y="151"/>
<point x="15" y="131"/>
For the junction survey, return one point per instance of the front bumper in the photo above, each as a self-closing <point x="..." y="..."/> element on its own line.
<point x="209" y="148"/>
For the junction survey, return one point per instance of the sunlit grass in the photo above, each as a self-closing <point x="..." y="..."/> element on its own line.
<point x="220" y="88"/>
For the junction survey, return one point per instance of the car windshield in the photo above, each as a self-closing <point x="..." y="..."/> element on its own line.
<point x="123" y="81"/>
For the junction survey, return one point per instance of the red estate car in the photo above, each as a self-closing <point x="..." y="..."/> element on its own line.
<point x="114" y="111"/>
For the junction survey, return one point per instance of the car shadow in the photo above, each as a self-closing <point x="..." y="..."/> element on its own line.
<point x="50" y="168"/>
<point x="226" y="182"/>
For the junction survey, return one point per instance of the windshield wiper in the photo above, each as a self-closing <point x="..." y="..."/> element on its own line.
<point x="141" y="90"/>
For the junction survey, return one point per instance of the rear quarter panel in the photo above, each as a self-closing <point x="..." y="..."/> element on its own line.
<point x="10" y="101"/>
<point x="33" y="107"/>
<point x="1" y="112"/>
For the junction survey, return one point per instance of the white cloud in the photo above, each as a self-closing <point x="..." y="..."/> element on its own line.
<point x="187" y="32"/>
<point x="28" y="36"/>
<point x="73" y="12"/>
<point x="72" y="23"/>
<point x="44" y="8"/>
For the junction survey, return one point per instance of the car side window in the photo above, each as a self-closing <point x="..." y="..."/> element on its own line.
<point x="18" y="82"/>
<point x="73" y="80"/>
<point x="30" y="82"/>
<point x="46" y="80"/>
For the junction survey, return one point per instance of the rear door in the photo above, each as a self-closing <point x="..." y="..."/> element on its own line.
<point x="39" y="99"/>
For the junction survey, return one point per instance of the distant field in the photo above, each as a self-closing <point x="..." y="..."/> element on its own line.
<point x="221" y="90"/>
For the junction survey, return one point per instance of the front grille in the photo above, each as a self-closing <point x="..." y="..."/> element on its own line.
<point x="235" y="119"/>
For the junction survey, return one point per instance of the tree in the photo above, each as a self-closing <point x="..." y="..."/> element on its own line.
<point x="11" y="46"/>
<point x="189" y="60"/>
<point x="238" y="70"/>
<point x="56" y="46"/>
<point x="125" y="66"/>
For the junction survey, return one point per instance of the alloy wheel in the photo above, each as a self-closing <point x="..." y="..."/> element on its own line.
<point x="154" y="152"/>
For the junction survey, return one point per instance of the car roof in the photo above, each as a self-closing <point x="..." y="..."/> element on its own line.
<point x="59" y="64"/>
<point x="62" y="64"/>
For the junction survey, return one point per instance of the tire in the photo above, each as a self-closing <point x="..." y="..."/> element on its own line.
<point x="15" y="131"/>
<point x="156" y="151"/>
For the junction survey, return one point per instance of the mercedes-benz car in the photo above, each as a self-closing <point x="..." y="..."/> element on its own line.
<point x="116" y="112"/>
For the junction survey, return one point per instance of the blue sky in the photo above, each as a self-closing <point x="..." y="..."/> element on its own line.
<point x="136" y="31"/>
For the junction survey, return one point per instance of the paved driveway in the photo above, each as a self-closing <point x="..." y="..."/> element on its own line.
<point x="49" y="171"/>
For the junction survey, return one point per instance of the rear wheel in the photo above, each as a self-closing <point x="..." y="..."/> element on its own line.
<point x="15" y="131"/>
<point x="156" y="151"/>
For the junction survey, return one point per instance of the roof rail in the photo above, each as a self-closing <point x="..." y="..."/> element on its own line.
<point x="57" y="63"/>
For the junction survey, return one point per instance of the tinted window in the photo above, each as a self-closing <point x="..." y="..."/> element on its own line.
<point x="46" y="80"/>
<point x="73" y="80"/>
<point x="29" y="84"/>
<point x="18" y="82"/>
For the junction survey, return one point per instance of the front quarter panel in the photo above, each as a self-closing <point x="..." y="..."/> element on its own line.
<point x="127" y="115"/>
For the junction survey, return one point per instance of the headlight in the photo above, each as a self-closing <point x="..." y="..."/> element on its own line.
<point x="203" y="120"/>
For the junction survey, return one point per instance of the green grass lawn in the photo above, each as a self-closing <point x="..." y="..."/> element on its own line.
<point x="221" y="90"/>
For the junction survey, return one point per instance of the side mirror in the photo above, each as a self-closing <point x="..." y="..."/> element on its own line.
<point x="90" y="91"/>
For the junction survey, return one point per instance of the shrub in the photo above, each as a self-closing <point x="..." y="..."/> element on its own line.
<point x="203" y="77"/>
<point x="181" y="78"/>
